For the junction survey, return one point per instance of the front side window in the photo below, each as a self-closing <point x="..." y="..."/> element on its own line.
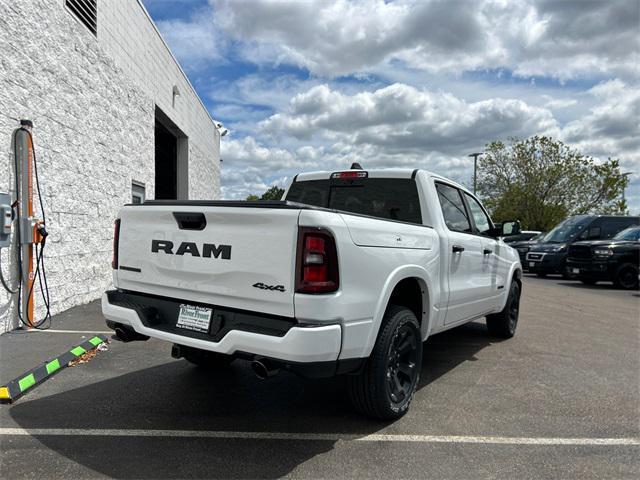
<point x="483" y="224"/>
<point x="453" y="209"/>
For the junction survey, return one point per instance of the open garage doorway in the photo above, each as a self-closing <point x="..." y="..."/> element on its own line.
<point x="171" y="160"/>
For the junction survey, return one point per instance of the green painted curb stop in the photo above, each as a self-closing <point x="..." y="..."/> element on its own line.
<point x="19" y="386"/>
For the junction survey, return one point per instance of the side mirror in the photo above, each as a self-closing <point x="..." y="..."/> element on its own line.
<point x="510" y="227"/>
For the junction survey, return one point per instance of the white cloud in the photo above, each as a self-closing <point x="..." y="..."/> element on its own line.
<point x="564" y="40"/>
<point x="325" y="129"/>
<point x="399" y="125"/>
<point x="450" y="65"/>
<point x="248" y="152"/>
<point x="558" y="103"/>
<point x="345" y="37"/>
<point x="401" y="118"/>
<point x="194" y="42"/>
<point x="612" y="127"/>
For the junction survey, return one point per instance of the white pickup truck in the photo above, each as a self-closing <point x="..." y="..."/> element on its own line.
<point x="348" y="274"/>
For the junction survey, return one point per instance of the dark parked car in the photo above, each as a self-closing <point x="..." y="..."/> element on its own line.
<point x="523" y="246"/>
<point x="616" y="260"/>
<point x="550" y="254"/>
<point x="523" y="236"/>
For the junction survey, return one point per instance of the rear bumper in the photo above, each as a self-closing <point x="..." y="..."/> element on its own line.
<point x="298" y="344"/>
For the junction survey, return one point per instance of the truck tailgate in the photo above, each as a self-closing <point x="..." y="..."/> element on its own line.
<point x="242" y="258"/>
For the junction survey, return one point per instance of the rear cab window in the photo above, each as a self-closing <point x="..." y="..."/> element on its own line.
<point x="386" y="198"/>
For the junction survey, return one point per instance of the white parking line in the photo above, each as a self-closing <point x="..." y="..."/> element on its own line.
<point x="35" y="330"/>
<point x="331" y="437"/>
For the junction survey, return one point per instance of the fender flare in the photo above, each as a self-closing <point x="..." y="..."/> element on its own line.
<point x="515" y="271"/>
<point x="395" y="277"/>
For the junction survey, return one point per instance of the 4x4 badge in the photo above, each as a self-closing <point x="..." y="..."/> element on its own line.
<point x="262" y="286"/>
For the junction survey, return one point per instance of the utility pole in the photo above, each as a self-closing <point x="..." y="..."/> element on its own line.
<point x="475" y="169"/>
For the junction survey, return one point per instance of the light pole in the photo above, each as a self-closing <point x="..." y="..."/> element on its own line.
<point x="475" y="169"/>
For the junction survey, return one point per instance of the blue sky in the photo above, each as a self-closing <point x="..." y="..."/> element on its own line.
<point x="308" y="85"/>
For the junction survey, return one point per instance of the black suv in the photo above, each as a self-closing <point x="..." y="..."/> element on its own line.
<point x="523" y="246"/>
<point x="614" y="260"/>
<point x="550" y="254"/>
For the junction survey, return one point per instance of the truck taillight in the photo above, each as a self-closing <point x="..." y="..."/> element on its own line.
<point x="116" y="240"/>
<point x="316" y="262"/>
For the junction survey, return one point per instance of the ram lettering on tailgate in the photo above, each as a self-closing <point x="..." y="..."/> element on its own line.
<point x="208" y="249"/>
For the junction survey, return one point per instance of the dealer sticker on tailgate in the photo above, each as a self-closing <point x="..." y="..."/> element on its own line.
<point x="194" y="318"/>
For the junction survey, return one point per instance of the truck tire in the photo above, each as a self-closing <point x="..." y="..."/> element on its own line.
<point x="207" y="360"/>
<point x="385" y="387"/>
<point x="626" y="276"/>
<point x="504" y="323"/>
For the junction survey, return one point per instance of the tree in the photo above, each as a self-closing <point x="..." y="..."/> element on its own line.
<point x="273" y="193"/>
<point x="541" y="181"/>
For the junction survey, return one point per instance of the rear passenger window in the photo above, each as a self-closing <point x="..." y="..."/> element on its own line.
<point x="453" y="209"/>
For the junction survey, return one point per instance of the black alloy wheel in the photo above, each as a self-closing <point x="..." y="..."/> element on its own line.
<point x="385" y="386"/>
<point x="514" y="311"/>
<point x="626" y="277"/>
<point x="503" y="324"/>
<point x="402" y="364"/>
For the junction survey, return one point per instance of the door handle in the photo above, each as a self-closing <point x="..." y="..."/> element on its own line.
<point x="457" y="249"/>
<point x="487" y="251"/>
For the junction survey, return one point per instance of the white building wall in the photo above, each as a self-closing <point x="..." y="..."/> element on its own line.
<point x="94" y="134"/>
<point x="128" y="35"/>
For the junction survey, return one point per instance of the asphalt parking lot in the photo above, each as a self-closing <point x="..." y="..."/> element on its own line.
<point x="561" y="399"/>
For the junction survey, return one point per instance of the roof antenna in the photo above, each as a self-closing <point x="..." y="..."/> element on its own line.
<point x="356" y="166"/>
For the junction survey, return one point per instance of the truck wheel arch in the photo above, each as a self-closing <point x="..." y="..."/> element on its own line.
<point x="402" y="286"/>
<point x="515" y="275"/>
